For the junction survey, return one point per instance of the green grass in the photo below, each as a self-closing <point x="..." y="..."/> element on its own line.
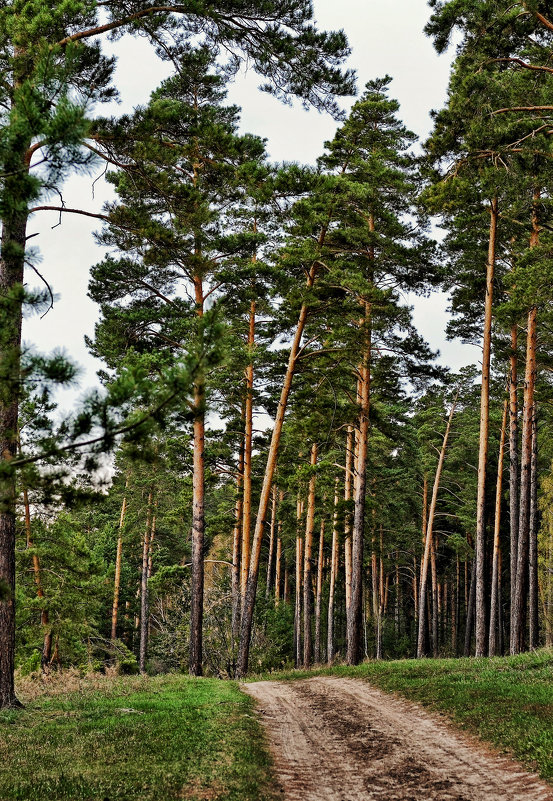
<point x="133" y="738"/>
<point x="506" y="701"/>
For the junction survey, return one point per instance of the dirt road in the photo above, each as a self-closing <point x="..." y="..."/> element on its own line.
<point x="337" y="739"/>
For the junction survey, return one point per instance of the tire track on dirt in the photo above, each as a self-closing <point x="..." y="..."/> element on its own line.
<point x="336" y="739"/>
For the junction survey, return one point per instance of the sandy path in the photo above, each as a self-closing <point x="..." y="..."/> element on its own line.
<point x="339" y="739"/>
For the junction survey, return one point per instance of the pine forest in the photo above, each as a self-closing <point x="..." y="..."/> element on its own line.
<point x="293" y="478"/>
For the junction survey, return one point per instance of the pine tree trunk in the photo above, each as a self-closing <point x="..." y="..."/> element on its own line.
<point x="118" y="557"/>
<point x="348" y="483"/>
<point x="278" y="566"/>
<point x="533" y="540"/>
<point x="319" y="595"/>
<point x="44" y="616"/>
<point x="297" y="611"/>
<point x="434" y="598"/>
<point x="526" y="462"/>
<point x="428" y="539"/>
<point x="236" y="539"/>
<point x="248" y="447"/>
<point x="375" y="598"/>
<point x="198" y="511"/>
<point x="415" y="590"/>
<point x="277" y="569"/>
<point x="15" y="169"/>
<point x="248" y="609"/>
<point x="484" y="440"/>
<point x="495" y="597"/>
<point x="470" y="609"/>
<point x="354" y="619"/>
<point x="268" y="585"/>
<point x="333" y="577"/>
<point x="144" y="605"/>
<point x="513" y="479"/>
<point x="308" y="564"/>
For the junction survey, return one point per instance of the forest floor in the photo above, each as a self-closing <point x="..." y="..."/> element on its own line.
<point x="132" y="738"/>
<point x="339" y="739"/>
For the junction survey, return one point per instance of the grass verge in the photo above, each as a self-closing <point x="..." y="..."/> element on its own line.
<point x="507" y="701"/>
<point x="138" y="738"/>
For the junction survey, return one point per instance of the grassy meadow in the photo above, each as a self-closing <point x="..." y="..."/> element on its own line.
<point x="112" y="739"/>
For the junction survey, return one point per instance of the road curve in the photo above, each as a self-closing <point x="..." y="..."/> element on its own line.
<point x="336" y="739"/>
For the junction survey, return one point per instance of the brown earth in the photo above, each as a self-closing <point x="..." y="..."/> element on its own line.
<point x="336" y="739"/>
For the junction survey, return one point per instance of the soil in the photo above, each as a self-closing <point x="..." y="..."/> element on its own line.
<point x="336" y="739"/>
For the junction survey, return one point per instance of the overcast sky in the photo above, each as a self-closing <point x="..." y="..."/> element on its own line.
<point x="386" y="38"/>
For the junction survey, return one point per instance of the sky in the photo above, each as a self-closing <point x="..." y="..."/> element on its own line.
<point x="386" y="39"/>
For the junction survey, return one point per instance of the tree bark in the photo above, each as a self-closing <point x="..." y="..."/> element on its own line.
<point x="484" y="440"/>
<point x="248" y="446"/>
<point x="198" y="510"/>
<point x="348" y="484"/>
<point x="319" y="595"/>
<point x="118" y="557"/>
<point x="354" y="618"/>
<point x="278" y="556"/>
<point x="144" y="605"/>
<point x="470" y="609"/>
<point x="236" y="538"/>
<point x="272" y="537"/>
<point x="308" y="563"/>
<point x="513" y="479"/>
<point x="495" y="597"/>
<point x="298" y="583"/>
<point x="533" y="640"/>
<point x="517" y="644"/>
<point x="299" y="562"/>
<point x="12" y="254"/>
<point x="429" y="530"/>
<point x="44" y="616"/>
<point x="434" y="599"/>
<point x="333" y="575"/>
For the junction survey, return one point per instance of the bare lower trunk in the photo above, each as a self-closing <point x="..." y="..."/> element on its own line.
<point x="44" y="615"/>
<point x="354" y="619"/>
<point x="517" y="643"/>
<point x="297" y="611"/>
<point x="434" y="599"/>
<point x="348" y="484"/>
<point x="198" y="510"/>
<point x="429" y="531"/>
<point x="248" y="447"/>
<point x="333" y="575"/>
<point x="236" y="538"/>
<point x="12" y="252"/>
<point x="118" y="557"/>
<point x="319" y="595"/>
<point x="533" y="640"/>
<point x="470" y="610"/>
<point x="277" y="570"/>
<point x="495" y="597"/>
<point x="483" y="444"/>
<point x="278" y="566"/>
<point x="525" y="485"/>
<point x="308" y="564"/>
<point x="144" y="605"/>
<point x="513" y="476"/>
<point x="268" y="585"/>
